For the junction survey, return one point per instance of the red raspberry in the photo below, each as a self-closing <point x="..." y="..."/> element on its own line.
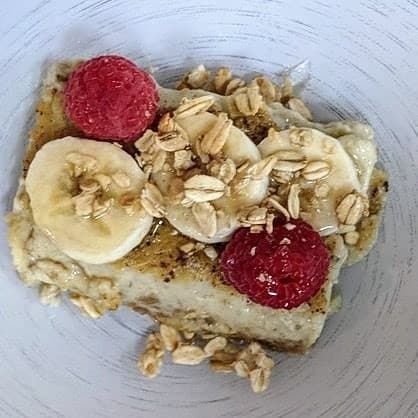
<point x="109" y="97"/>
<point x="281" y="270"/>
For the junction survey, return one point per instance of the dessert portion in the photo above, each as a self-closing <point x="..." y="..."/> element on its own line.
<point x="219" y="208"/>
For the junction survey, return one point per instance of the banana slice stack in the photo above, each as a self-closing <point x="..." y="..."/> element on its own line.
<point x="330" y="182"/>
<point x="202" y="174"/>
<point x="85" y="195"/>
<point x="225" y="175"/>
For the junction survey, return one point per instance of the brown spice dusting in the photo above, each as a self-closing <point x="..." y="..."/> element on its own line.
<point x="51" y="123"/>
<point x="256" y="126"/>
<point x="160" y="253"/>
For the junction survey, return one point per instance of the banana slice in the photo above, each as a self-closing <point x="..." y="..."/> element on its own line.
<point x="363" y="152"/>
<point x="85" y="195"/>
<point x="210" y="212"/>
<point x="325" y="172"/>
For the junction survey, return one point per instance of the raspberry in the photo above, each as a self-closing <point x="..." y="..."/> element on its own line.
<point x="109" y="97"/>
<point x="281" y="270"/>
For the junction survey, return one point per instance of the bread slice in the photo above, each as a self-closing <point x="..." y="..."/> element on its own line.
<point x="182" y="290"/>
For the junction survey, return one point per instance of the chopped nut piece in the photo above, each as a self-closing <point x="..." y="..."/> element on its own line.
<point x="87" y="205"/>
<point x="210" y="252"/>
<point x="202" y="188"/>
<point x="242" y="369"/>
<point x="193" y="107"/>
<point x="152" y="200"/>
<point x="188" y="335"/>
<point x="293" y="203"/>
<point x="253" y="216"/>
<point x="203" y="156"/>
<point x="198" y="77"/>
<point x="262" y="168"/>
<point x="260" y="379"/>
<point x="351" y="238"/>
<point x="289" y="166"/>
<point x="257" y="216"/>
<point x="289" y="155"/>
<point x="150" y="361"/>
<point x="282" y="177"/>
<point x="270" y="223"/>
<point x="172" y="142"/>
<point x="187" y="248"/>
<point x="86" y="305"/>
<point x="316" y="170"/>
<point x="146" y="142"/>
<point x="183" y="160"/>
<point x="234" y="86"/>
<point x="246" y="102"/>
<point x="264" y="361"/>
<point x="214" y="140"/>
<point x="273" y="202"/>
<point x="170" y="336"/>
<point x="350" y="209"/>
<point x="166" y="124"/>
<point x="249" y="355"/>
<point x="188" y="355"/>
<point x="227" y="171"/>
<point x="217" y="344"/>
<point x="222" y="78"/>
<point x="225" y="84"/>
<point x="267" y="88"/>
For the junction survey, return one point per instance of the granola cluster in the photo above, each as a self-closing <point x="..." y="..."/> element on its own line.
<point x="224" y="356"/>
<point x="92" y="198"/>
<point x="203" y="173"/>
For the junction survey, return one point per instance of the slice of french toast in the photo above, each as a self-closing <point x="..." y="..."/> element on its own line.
<point x="181" y="289"/>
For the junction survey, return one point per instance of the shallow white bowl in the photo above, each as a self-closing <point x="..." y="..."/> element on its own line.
<point x="364" y="57"/>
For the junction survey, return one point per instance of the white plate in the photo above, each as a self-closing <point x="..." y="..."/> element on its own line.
<point x="364" y="55"/>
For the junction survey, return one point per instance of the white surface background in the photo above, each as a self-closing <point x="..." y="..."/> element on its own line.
<point x="364" y="55"/>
